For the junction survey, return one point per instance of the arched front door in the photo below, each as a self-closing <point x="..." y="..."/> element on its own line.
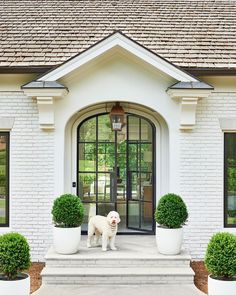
<point x="116" y="170"/>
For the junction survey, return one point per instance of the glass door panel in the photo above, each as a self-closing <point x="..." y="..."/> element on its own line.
<point x="87" y="157"/>
<point x="104" y="208"/>
<point x="140" y="176"/>
<point x="106" y="156"/>
<point x="105" y="134"/>
<point x="87" y="132"/>
<point x="87" y="187"/>
<point x="115" y="171"/>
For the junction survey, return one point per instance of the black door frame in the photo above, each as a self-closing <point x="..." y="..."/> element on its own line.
<point x="128" y="182"/>
<point x="136" y="231"/>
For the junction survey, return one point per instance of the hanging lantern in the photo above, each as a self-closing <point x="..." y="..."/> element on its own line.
<point x="117" y="117"/>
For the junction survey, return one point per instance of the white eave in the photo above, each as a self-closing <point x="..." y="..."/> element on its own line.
<point x="118" y="39"/>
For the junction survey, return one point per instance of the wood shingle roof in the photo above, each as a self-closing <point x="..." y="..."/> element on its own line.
<point x="188" y="33"/>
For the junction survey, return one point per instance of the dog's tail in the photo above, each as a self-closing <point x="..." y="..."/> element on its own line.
<point x="92" y="211"/>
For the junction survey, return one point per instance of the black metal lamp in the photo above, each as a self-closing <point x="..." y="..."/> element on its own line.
<point x="117" y="117"/>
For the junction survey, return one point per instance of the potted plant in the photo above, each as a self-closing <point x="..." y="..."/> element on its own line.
<point x="220" y="261"/>
<point x="171" y="214"/>
<point x="14" y="258"/>
<point x="68" y="214"/>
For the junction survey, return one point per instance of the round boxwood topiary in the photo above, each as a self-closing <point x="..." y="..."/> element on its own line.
<point x="171" y="211"/>
<point x="14" y="255"/>
<point x="220" y="258"/>
<point x="68" y="211"/>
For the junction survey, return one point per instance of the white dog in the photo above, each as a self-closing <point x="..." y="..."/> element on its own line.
<point x="105" y="226"/>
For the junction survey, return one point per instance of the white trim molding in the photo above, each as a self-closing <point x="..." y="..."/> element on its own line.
<point x="54" y="92"/>
<point x="45" y="101"/>
<point x="227" y="124"/>
<point x="188" y="99"/>
<point x="46" y="112"/>
<point x="118" y="40"/>
<point x="6" y="123"/>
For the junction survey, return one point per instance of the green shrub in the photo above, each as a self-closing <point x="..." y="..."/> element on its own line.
<point x="171" y="211"/>
<point x="220" y="258"/>
<point x="14" y="255"/>
<point x="68" y="211"/>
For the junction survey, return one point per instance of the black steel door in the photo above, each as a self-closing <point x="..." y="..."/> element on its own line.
<point x="116" y="171"/>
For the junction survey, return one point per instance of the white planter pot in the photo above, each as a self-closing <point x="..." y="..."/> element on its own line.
<point x="169" y="240"/>
<point x="66" y="240"/>
<point x="219" y="287"/>
<point x="19" y="287"/>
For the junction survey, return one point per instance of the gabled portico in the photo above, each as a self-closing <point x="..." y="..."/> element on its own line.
<point x="48" y="85"/>
<point x="150" y="90"/>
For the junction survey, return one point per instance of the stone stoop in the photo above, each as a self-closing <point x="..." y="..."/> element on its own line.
<point x="137" y="262"/>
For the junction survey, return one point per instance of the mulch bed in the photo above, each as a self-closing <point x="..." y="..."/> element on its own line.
<point x="35" y="278"/>
<point x="201" y="275"/>
<point x="200" y="279"/>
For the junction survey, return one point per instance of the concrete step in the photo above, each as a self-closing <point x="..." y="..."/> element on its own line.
<point x="118" y="290"/>
<point x="117" y="276"/>
<point x="116" y="259"/>
<point x="136" y="262"/>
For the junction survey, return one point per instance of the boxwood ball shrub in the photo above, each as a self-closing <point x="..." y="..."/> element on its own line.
<point x="14" y="255"/>
<point x="220" y="258"/>
<point x="171" y="211"/>
<point x="68" y="211"/>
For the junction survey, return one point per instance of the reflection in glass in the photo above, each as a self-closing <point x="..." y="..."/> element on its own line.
<point x="105" y="208"/>
<point x="146" y="157"/>
<point x="106" y="156"/>
<point x="87" y="186"/>
<point x="133" y="209"/>
<point x="133" y="126"/>
<point x="104" y="129"/>
<point x="146" y="215"/>
<point x="230" y="183"/>
<point x="121" y="208"/>
<point x="3" y="178"/>
<point x="231" y="194"/>
<point x="146" y="131"/>
<point x="87" y="131"/>
<point x="135" y="185"/>
<point x="105" y="186"/>
<point x="90" y="210"/>
<point x="87" y="157"/>
<point x="113" y="164"/>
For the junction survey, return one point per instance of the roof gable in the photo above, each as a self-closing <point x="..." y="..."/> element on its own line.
<point x="119" y="40"/>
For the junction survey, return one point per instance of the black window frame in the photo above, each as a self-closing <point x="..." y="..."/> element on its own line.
<point x="226" y="224"/>
<point x="7" y="135"/>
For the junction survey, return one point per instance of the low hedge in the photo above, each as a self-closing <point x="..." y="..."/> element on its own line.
<point x="14" y="255"/>
<point x="171" y="211"/>
<point x="220" y="258"/>
<point x="68" y="211"/>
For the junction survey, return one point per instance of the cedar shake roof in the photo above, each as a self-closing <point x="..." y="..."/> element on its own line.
<point x="188" y="33"/>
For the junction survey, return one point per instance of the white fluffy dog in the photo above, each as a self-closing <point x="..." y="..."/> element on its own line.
<point x="105" y="226"/>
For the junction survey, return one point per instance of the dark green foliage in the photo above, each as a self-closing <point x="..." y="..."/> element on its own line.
<point x="14" y="255"/>
<point x="68" y="211"/>
<point x="171" y="211"/>
<point x="231" y="176"/>
<point x="232" y="213"/>
<point x="220" y="258"/>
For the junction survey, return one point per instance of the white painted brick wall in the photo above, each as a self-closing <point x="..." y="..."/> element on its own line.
<point x="202" y="171"/>
<point x="32" y="171"/>
<point x="32" y="164"/>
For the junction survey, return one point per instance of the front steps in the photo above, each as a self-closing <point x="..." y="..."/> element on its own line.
<point x="137" y="262"/>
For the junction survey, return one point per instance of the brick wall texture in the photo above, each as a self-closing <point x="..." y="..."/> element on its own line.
<point x="32" y="174"/>
<point x="202" y="170"/>
<point x="31" y="168"/>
